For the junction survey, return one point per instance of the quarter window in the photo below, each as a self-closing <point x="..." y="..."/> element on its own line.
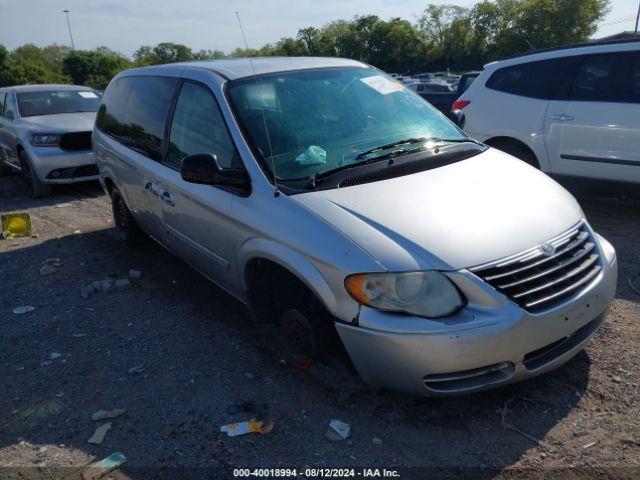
<point x="8" y="110"/>
<point x="540" y="79"/>
<point x="2" y="97"/>
<point x="134" y="111"/>
<point x="198" y="127"/>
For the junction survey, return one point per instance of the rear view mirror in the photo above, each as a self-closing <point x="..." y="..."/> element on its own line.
<point x="9" y="115"/>
<point x="457" y="117"/>
<point x="204" y="168"/>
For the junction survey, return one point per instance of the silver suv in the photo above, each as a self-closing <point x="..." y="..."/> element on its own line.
<point x="330" y="198"/>
<point x="45" y="133"/>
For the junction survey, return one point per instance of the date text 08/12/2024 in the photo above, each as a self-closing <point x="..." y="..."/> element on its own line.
<point x="316" y="472"/>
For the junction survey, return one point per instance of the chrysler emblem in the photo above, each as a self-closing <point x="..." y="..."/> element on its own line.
<point x="547" y="249"/>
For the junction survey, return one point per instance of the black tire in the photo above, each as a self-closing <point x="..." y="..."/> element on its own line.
<point x="517" y="150"/>
<point x="127" y="230"/>
<point x="37" y="188"/>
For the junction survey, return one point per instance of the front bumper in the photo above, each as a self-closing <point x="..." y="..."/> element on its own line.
<point x="54" y="165"/>
<point x="491" y="342"/>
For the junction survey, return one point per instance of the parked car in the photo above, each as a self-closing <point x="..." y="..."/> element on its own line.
<point x="443" y="95"/>
<point x="434" y="87"/>
<point x="465" y="82"/>
<point x="424" y="77"/>
<point x="330" y="198"/>
<point x="442" y="100"/>
<point x="568" y="111"/>
<point x="45" y="134"/>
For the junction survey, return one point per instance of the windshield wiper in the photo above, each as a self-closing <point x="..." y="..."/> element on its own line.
<point x="408" y="141"/>
<point x="313" y="180"/>
<point x="320" y="175"/>
<point x="387" y="146"/>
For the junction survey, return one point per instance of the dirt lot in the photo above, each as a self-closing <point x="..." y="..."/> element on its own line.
<point x="199" y="356"/>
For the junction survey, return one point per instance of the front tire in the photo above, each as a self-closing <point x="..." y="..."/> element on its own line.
<point x="127" y="230"/>
<point x="37" y="188"/>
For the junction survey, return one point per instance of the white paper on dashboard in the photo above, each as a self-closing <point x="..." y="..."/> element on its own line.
<point x="382" y="84"/>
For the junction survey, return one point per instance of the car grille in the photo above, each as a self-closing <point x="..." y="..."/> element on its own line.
<point x="76" y="141"/>
<point x="537" y="281"/>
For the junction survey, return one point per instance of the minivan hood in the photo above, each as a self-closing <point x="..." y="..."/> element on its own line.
<point x="62" y="122"/>
<point x="461" y="215"/>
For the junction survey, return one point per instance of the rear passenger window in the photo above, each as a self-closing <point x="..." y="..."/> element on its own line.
<point x="134" y="111"/>
<point x="608" y="78"/>
<point x="540" y="79"/>
<point x="633" y="64"/>
<point x="594" y="79"/>
<point x="198" y="127"/>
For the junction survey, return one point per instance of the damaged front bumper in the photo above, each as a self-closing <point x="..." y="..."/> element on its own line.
<point x="490" y="342"/>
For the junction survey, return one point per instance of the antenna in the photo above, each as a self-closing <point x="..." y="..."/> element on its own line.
<point x="276" y="192"/>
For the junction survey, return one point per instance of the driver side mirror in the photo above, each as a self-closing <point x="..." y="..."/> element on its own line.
<point x="203" y="168"/>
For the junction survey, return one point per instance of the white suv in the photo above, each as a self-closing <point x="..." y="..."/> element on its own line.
<point x="568" y="111"/>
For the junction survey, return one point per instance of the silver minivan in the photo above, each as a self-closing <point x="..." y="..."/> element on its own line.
<point x="330" y="198"/>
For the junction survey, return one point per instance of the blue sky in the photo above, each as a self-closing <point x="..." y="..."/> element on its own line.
<point x="125" y="25"/>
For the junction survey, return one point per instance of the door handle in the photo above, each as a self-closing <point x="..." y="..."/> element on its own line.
<point x="562" y="117"/>
<point x="151" y="187"/>
<point x="167" y="197"/>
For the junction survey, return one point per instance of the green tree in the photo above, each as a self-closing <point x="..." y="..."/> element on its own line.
<point x="244" y="52"/>
<point x="516" y="26"/>
<point x="94" y="68"/>
<point x="162" y="53"/>
<point x="436" y="20"/>
<point x="209" y="55"/>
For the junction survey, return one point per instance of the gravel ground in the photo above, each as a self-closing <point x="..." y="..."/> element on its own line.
<point x="196" y="358"/>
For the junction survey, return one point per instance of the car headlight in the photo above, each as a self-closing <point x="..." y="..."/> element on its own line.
<point x="45" y="139"/>
<point x="425" y="294"/>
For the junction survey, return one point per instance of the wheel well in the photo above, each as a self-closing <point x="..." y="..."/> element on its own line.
<point x="19" y="150"/>
<point x="516" y="148"/>
<point x="273" y="289"/>
<point x="109" y="184"/>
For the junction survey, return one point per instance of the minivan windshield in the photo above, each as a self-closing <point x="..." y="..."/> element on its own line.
<point x="322" y="119"/>
<point x="51" y="102"/>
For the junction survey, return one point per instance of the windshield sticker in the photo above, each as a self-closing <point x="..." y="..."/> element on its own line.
<point x="87" y="95"/>
<point x="382" y="84"/>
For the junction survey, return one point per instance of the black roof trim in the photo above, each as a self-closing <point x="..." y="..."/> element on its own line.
<point x="594" y="43"/>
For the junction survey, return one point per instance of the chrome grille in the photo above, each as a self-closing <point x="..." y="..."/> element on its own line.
<point x="537" y="281"/>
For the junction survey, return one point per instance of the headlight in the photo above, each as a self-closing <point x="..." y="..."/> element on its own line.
<point x="425" y="294"/>
<point x="45" y="140"/>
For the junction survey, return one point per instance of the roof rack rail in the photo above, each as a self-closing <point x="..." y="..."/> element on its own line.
<point x="594" y="43"/>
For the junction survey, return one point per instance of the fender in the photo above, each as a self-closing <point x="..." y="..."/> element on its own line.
<point x="106" y="173"/>
<point x="289" y="259"/>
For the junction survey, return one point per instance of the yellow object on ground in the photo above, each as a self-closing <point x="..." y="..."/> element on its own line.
<point x="241" y="428"/>
<point x="16" y="225"/>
